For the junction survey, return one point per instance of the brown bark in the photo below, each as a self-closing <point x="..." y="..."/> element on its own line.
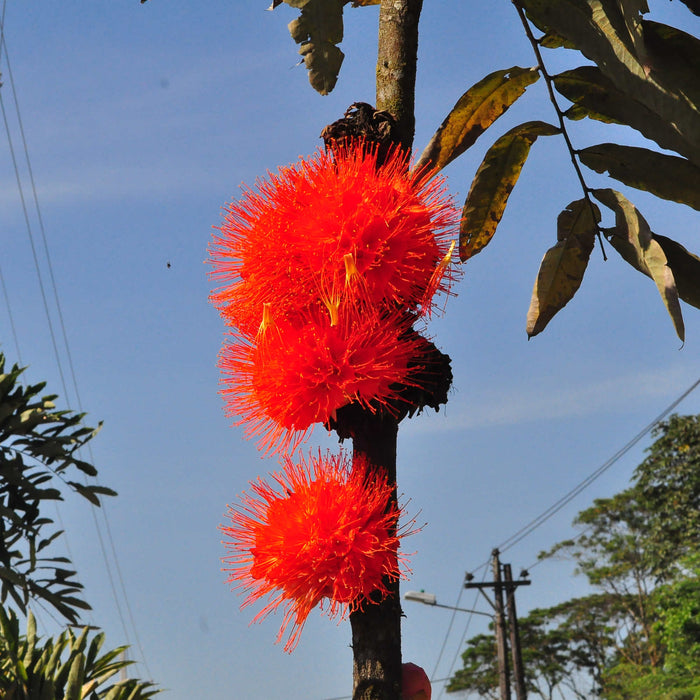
<point x="396" y="63"/>
<point x="376" y="630"/>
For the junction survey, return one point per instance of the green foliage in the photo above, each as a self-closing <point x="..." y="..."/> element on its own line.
<point x="647" y="77"/>
<point x="566" y="647"/>
<point x="479" y="673"/>
<point x="38" y="461"/>
<point x="668" y="483"/>
<point x="67" y="667"/>
<point x="676" y="630"/>
<point x="638" y="635"/>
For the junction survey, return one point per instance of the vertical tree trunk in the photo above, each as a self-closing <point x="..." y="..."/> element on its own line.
<point x="396" y="63"/>
<point x="376" y="631"/>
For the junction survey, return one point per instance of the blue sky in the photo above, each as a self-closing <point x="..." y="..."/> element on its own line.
<point x="141" y="122"/>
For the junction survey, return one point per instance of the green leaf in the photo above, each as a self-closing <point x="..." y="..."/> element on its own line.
<point x="686" y="269"/>
<point x="665" y="176"/>
<point x="475" y="111"/>
<point x="675" y="57"/>
<point x="493" y="183"/>
<point x="563" y="265"/>
<point x="596" y="97"/>
<point x="599" y="32"/>
<point x="90" y="491"/>
<point x="633" y="240"/>
<point x="75" y="678"/>
<point x="86" y="492"/>
<point x="318" y="29"/>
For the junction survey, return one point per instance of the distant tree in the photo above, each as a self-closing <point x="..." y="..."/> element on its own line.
<point x="668" y="484"/>
<point x="566" y="647"/>
<point x="639" y="634"/>
<point x="676" y="631"/>
<point x="39" y="463"/>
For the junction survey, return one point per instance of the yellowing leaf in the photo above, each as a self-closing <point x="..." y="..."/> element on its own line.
<point x="632" y="11"/>
<point x="474" y="112"/>
<point x="564" y="264"/>
<point x="633" y="240"/>
<point x="493" y="183"/>
<point x="665" y="176"/>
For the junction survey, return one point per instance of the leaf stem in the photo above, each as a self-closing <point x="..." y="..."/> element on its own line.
<point x="560" y="116"/>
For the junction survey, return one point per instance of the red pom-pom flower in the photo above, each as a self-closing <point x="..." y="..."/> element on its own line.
<point x="326" y="267"/>
<point x="287" y="243"/>
<point x="323" y="534"/>
<point x="296" y="374"/>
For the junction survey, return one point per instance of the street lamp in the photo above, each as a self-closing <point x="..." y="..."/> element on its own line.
<point x="431" y="599"/>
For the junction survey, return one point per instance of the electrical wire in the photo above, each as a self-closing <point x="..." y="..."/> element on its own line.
<point x="4" y="50"/>
<point x="10" y="316"/>
<point x="528" y="529"/>
<point x="535" y="523"/>
<point x="461" y="641"/>
<point x="26" y="215"/>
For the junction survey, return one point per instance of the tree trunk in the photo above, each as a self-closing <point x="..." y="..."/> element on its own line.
<point x="376" y="631"/>
<point x="396" y="63"/>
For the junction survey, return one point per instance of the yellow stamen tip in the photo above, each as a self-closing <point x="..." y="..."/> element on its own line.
<point x="448" y="257"/>
<point x="266" y="317"/>
<point x="350" y="267"/>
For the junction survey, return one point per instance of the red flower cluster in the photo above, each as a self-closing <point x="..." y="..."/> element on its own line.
<point x="326" y="266"/>
<point x="289" y="377"/>
<point x="322" y="534"/>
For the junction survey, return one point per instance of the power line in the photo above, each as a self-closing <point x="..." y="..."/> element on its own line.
<point x="26" y="215"/>
<point x="461" y="641"/>
<point x="3" y="46"/>
<point x="531" y="526"/>
<point x="569" y="496"/>
<point x="10" y="316"/>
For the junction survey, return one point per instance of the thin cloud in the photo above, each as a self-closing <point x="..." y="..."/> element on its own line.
<point x="530" y="403"/>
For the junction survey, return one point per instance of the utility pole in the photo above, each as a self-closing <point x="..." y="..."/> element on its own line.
<point x="520" y="692"/>
<point x="500" y="624"/>
<point x="499" y="585"/>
